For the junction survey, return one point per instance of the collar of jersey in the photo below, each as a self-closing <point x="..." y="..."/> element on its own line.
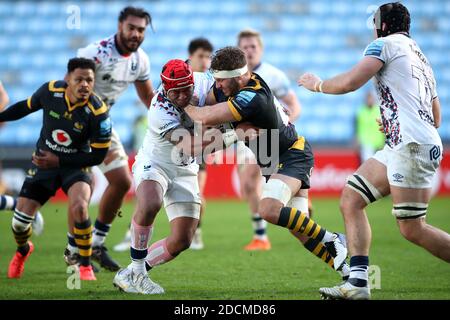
<point x="76" y="105"/>
<point x="118" y="49"/>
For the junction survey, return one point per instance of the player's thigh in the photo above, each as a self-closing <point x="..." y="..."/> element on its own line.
<point x="116" y="156"/>
<point x="27" y="206"/>
<point x="202" y="175"/>
<point x="182" y="199"/>
<point x="70" y="177"/>
<point x="411" y="172"/>
<point x="250" y="178"/>
<point x="39" y="185"/>
<point x="151" y="183"/>
<point x="120" y="177"/>
<point x="293" y="174"/>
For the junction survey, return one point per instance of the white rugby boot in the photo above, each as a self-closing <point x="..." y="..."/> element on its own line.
<point x="129" y="281"/>
<point x="345" y="291"/>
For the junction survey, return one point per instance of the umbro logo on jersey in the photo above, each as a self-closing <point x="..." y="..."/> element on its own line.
<point x="61" y="137"/>
<point x="398" y="177"/>
<point x="58" y="94"/>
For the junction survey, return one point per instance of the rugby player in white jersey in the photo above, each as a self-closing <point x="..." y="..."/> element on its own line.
<point x="200" y="50"/>
<point x="410" y="112"/>
<point x="251" y="43"/>
<point x="165" y="172"/>
<point x="119" y="62"/>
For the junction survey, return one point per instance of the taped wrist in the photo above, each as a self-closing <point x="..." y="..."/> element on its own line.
<point x="229" y="137"/>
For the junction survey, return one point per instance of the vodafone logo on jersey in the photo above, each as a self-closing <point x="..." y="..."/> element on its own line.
<point x="61" y="137"/>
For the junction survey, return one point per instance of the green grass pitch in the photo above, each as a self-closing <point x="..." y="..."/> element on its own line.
<point x="223" y="270"/>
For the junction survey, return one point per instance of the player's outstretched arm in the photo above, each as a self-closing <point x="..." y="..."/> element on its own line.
<point x="211" y="115"/>
<point x="16" y="111"/>
<point x="211" y="139"/>
<point x="4" y="98"/>
<point x="345" y="82"/>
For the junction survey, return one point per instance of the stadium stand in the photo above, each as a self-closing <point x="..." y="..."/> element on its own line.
<point x="321" y="36"/>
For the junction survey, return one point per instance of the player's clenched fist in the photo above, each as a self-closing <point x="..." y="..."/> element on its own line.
<point x="310" y="81"/>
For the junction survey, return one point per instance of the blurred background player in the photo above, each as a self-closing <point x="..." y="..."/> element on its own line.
<point x="8" y="202"/>
<point x="119" y="62"/>
<point x="199" y="50"/>
<point x="369" y="139"/>
<point x="71" y="140"/>
<point x="251" y="43"/>
<point x="405" y="167"/>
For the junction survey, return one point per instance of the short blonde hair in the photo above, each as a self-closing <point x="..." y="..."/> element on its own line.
<point x="250" y="33"/>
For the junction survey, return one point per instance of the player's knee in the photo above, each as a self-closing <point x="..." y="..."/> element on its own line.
<point x="410" y="219"/>
<point x="181" y="242"/>
<point x="124" y="183"/>
<point x="269" y="209"/>
<point x="357" y="194"/>
<point x="248" y="188"/>
<point x="150" y="208"/>
<point x="121" y="181"/>
<point x="79" y="210"/>
<point x="21" y="221"/>
<point x="347" y="203"/>
<point x="411" y="231"/>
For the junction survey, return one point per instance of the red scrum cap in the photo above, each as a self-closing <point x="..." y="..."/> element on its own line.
<point x="176" y="74"/>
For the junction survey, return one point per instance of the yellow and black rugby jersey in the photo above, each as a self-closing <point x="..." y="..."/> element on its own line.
<point x="70" y="128"/>
<point x="255" y="103"/>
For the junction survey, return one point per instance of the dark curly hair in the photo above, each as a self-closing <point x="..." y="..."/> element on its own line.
<point x="135" y="12"/>
<point x="228" y="58"/>
<point x="396" y="17"/>
<point x="199" y="43"/>
<point x="81" y="63"/>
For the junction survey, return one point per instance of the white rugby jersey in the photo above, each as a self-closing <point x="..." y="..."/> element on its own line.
<point x="406" y="88"/>
<point x="276" y="79"/>
<point x="114" y="72"/>
<point x="163" y="116"/>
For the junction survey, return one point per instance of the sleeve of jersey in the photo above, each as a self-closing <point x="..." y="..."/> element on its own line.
<point x="144" y="75"/>
<point x="35" y="102"/>
<point x="282" y="86"/>
<point x="101" y="135"/>
<point x="162" y="121"/>
<point x="244" y="105"/>
<point x="88" y="52"/>
<point x="203" y="83"/>
<point x="377" y="49"/>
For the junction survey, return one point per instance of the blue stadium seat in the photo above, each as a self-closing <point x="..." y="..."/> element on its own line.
<point x="321" y="36"/>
